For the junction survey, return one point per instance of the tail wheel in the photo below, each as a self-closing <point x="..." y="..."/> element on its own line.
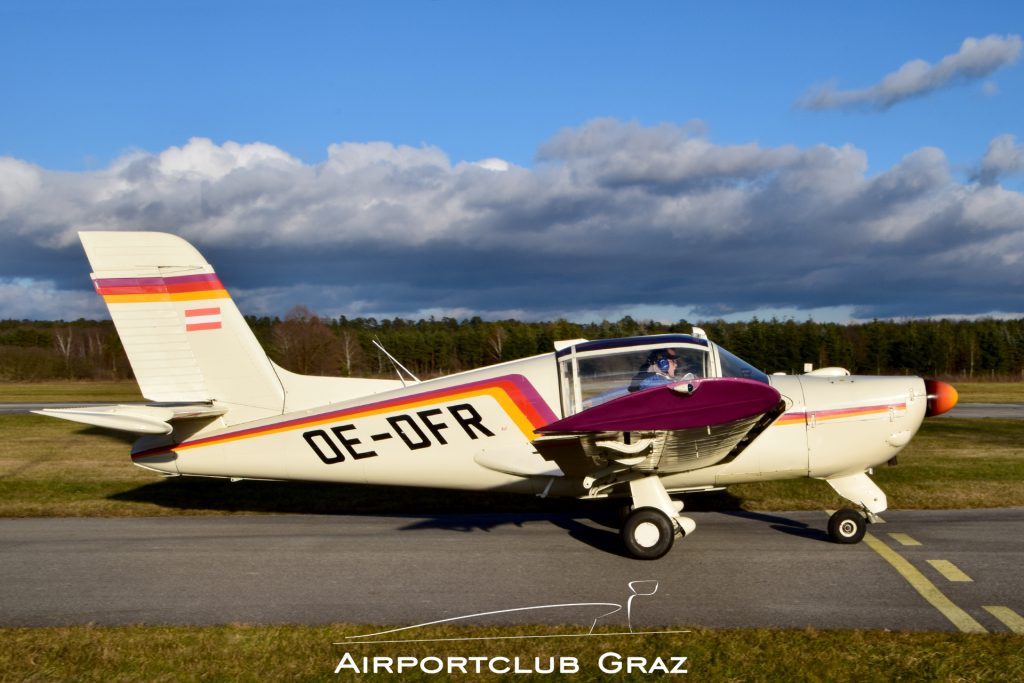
<point x="846" y="526"/>
<point x="648" y="533"/>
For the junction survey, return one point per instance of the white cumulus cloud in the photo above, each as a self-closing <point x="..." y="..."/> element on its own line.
<point x="615" y="216"/>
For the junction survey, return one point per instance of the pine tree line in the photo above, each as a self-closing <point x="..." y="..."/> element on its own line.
<point x="303" y="342"/>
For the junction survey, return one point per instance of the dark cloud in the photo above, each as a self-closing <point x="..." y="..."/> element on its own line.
<point x="976" y="59"/>
<point x="614" y="218"/>
<point x="1004" y="157"/>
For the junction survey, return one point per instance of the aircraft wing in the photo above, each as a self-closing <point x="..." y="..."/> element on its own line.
<point x="681" y="405"/>
<point x="667" y="429"/>
<point x="137" y="419"/>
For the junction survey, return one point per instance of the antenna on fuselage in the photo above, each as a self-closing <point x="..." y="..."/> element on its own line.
<point x="399" y="368"/>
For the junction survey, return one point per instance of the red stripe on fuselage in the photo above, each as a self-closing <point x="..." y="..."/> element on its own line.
<point x="522" y="393"/>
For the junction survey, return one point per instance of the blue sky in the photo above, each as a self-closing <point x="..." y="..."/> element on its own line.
<point x="700" y="110"/>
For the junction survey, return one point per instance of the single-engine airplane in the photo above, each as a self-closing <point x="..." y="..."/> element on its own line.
<point x="640" y="418"/>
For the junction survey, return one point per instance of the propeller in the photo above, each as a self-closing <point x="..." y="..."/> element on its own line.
<point x="941" y="397"/>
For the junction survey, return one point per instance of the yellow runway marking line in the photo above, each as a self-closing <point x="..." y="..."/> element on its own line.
<point x="904" y="539"/>
<point x="961" y="619"/>
<point x="949" y="571"/>
<point x="1011" y="619"/>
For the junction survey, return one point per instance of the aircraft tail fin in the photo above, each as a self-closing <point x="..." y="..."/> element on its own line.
<point x="185" y="338"/>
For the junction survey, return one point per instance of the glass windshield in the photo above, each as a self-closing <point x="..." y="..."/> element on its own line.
<point x="604" y="377"/>
<point x="734" y="366"/>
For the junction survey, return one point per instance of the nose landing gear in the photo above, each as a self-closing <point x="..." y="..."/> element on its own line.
<point x="650" y="529"/>
<point x="847" y="526"/>
<point x="648" y="533"/>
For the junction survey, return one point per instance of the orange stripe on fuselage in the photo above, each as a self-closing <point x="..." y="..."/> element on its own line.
<point x="517" y="398"/>
<point x="838" y="413"/>
<point x="506" y="403"/>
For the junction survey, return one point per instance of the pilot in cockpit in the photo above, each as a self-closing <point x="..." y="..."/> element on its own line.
<point x="659" y="369"/>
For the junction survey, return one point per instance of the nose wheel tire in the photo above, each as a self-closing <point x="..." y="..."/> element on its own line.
<point x="648" y="533"/>
<point x="846" y="526"/>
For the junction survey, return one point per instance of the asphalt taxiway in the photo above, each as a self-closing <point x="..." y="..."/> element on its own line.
<point x="1012" y="411"/>
<point x="953" y="570"/>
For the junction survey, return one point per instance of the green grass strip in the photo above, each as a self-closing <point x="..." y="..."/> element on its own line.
<point x="301" y="653"/>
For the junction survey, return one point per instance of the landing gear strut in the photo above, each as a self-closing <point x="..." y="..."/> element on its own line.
<point x="650" y="529"/>
<point x="846" y="525"/>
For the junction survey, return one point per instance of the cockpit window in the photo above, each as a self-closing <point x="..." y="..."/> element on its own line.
<point x="608" y="375"/>
<point x="734" y="366"/>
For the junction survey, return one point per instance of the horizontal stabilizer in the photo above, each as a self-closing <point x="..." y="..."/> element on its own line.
<point x="137" y="419"/>
<point x="518" y="464"/>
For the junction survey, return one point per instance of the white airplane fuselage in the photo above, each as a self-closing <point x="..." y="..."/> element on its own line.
<point x="431" y="434"/>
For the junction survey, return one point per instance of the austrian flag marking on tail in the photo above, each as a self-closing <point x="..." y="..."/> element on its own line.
<point x="198" y="319"/>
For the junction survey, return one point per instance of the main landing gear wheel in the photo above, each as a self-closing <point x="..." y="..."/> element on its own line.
<point x="847" y="526"/>
<point x="648" y="533"/>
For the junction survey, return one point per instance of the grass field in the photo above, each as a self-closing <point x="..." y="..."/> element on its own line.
<point x="990" y="392"/>
<point x="69" y="392"/>
<point x="299" y="653"/>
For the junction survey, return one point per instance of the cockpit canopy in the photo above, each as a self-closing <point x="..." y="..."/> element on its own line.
<point x="594" y="372"/>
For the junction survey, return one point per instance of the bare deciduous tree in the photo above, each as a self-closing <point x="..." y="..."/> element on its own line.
<point x="305" y="344"/>
<point x="64" y="338"/>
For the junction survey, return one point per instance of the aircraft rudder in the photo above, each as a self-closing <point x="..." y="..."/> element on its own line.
<point x="183" y="334"/>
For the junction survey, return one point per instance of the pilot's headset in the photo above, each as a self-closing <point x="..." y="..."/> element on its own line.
<point x="663" y="361"/>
